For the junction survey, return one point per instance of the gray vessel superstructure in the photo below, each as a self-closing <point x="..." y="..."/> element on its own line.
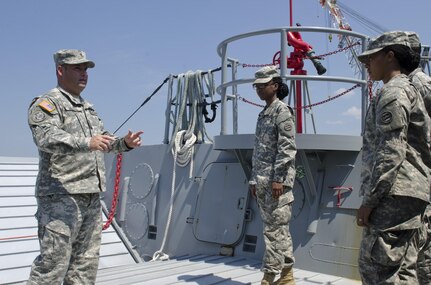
<point x="211" y="210"/>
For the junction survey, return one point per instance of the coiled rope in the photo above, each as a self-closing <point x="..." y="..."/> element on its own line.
<point x="188" y="130"/>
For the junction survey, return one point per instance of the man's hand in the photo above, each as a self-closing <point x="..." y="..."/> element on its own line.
<point x="133" y="140"/>
<point x="252" y="190"/>
<point x="101" y="142"/>
<point x="277" y="189"/>
<point x="363" y="215"/>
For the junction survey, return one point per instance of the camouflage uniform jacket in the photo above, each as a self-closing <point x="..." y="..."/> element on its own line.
<point x="62" y="126"/>
<point x="274" y="149"/>
<point x="422" y="82"/>
<point x="396" y="152"/>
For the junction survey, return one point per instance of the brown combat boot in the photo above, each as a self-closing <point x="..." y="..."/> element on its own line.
<point x="268" y="279"/>
<point x="286" y="277"/>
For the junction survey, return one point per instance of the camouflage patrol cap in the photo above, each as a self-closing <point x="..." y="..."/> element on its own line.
<point x="265" y="74"/>
<point x="72" y="56"/>
<point x="414" y="40"/>
<point x="384" y="40"/>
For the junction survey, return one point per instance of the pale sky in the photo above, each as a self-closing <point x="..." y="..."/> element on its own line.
<point x="137" y="44"/>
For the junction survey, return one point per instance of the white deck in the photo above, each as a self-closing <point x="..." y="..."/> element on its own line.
<point x="205" y="270"/>
<point x="18" y="227"/>
<point x="19" y="246"/>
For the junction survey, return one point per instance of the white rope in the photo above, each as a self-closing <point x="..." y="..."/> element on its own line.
<point x="182" y="153"/>
<point x="190" y="93"/>
<point x="160" y="255"/>
<point x="183" y="147"/>
<point x="189" y="129"/>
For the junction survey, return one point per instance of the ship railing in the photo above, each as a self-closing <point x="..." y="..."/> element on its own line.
<point x="229" y="68"/>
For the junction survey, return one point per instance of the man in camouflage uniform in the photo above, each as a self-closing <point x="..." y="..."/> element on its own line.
<point x="422" y="82"/>
<point x="273" y="174"/>
<point x="396" y="161"/>
<point x="71" y="140"/>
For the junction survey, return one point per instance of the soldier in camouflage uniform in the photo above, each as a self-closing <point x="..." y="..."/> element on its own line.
<point x="71" y="140"/>
<point x="396" y="161"/>
<point x="273" y="174"/>
<point x="422" y="82"/>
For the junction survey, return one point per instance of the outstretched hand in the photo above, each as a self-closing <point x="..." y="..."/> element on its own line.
<point x="133" y="140"/>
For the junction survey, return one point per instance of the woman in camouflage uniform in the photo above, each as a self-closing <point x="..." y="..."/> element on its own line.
<point x="273" y="174"/>
<point x="395" y="166"/>
<point x="422" y="82"/>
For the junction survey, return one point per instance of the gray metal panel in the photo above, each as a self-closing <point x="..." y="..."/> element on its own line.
<point x="18" y="227"/>
<point x="341" y="187"/>
<point x="241" y="141"/>
<point x="328" y="142"/>
<point x="221" y="204"/>
<point x="179" y="239"/>
<point x="303" y="141"/>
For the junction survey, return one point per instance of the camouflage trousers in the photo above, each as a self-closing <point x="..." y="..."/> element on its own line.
<point x="276" y="214"/>
<point x="424" y="256"/>
<point x="69" y="233"/>
<point x="390" y="245"/>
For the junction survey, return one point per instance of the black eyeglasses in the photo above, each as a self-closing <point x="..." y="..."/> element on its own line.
<point x="262" y="85"/>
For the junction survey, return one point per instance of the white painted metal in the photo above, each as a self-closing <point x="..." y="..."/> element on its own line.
<point x="18" y="227"/>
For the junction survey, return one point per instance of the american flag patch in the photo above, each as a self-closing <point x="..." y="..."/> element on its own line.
<point x="47" y="106"/>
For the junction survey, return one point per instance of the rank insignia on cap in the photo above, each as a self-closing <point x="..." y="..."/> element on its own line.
<point x="47" y="106"/>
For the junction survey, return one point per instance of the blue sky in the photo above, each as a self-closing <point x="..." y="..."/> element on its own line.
<point x="137" y="44"/>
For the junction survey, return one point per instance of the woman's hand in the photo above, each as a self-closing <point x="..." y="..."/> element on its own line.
<point x="277" y="189"/>
<point x="363" y="215"/>
<point x="252" y="189"/>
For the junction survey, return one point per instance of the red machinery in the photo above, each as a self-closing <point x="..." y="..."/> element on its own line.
<point x="295" y="61"/>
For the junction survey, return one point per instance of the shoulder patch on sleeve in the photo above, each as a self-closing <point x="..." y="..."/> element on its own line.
<point x="288" y="127"/>
<point x="38" y="117"/>
<point x="285" y="123"/>
<point x="46" y="105"/>
<point x="386" y="118"/>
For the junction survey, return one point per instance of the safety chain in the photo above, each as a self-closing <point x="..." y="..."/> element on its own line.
<point x="116" y="192"/>
<point x="316" y="56"/>
<point x="335" y="51"/>
<point x="257" y="65"/>
<point x="332" y="98"/>
<point x="249" y="102"/>
<point x="307" y="106"/>
<point x="370" y="87"/>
